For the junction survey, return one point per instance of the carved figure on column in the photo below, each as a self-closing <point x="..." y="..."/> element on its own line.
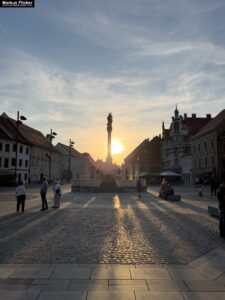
<point x="109" y="129"/>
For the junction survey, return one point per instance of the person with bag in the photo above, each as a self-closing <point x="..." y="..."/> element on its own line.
<point x="221" y="199"/>
<point x="57" y="194"/>
<point x="21" y="196"/>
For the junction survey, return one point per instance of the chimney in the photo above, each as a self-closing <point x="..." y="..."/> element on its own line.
<point x="208" y="116"/>
<point x="193" y="116"/>
<point x="185" y="116"/>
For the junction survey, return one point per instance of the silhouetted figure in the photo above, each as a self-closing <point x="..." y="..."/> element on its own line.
<point x="213" y="186"/>
<point x="21" y="196"/>
<point x="43" y="192"/>
<point x="139" y="187"/>
<point x="221" y="199"/>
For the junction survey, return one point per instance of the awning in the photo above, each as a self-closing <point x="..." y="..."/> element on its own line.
<point x="169" y="173"/>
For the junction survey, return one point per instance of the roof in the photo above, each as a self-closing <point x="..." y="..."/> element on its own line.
<point x="138" y="148"/>
<point x="26" y="133"/>
<point x="74" y="152"/>
<point x="10" y="127"/>
<point x="4" y="135"/>
<point x="194" y="125"/>
<point x="213" y="124"/>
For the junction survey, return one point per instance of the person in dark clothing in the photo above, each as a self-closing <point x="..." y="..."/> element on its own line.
<point x="213" y="187"/>
<point x="21" y="196"/>
<point x="43" y="192"/>
<point x="221" y="199"/>
<point x="139" y="187"/>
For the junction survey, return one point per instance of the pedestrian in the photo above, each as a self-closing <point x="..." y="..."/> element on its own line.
<point x="221" y="200"/>
<point x="43" y="192"/>
<point x="57" y="194"/>
<point x="200" y="192"/>
<point x="213" y="187"/>
<point x="21" y="196"/>
<point x="139" y="187"/>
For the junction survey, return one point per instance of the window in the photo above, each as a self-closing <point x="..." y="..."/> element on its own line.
<point x="212" y="145"/>
<point x="185" y="139"/>
<point x="27" y="150"/>
<point x="21" y="149"/>
<point x="194" y="149"/>
<point x="212" y="160"/>
<point x="0" y="162"/>
<point x="195" y="163"/>
<point x="0" y="146"/>
<point x="199" y="162"/>
<point x="205" y="145"/>
<point x="205" y="161"/>
<point x="25" y="176"/>
<point x="13" y="162"/>
<point x="14" y="147"/>
<point x="176" y="127"/>
<point x="20" y="163"/>
<point x="6" y="147"/>
<point x="199" y="148"/>
<point x="6" y="163"/>
<point x="26" y="163"/>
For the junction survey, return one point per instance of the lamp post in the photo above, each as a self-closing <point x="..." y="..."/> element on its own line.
<point x="71" y="143"/>
<point x="18" y="122"/>
<point x="51" y="136"/>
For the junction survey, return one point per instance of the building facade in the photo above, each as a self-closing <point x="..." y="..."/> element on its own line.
<point x="176" y="145"/>
<point x="145" y="159"/>
<point x="207" y="155"/>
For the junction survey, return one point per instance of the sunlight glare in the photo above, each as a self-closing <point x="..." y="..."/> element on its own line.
<point x="117" y="147"/>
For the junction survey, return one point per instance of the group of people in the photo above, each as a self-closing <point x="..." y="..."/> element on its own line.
<point x="166" y="189"/>
<point x="21" y="195"/>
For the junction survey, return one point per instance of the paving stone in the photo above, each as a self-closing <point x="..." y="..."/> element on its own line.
<point x="88" y="285"/>
<point x="9" y="287"/>
<point x="48" y="287"/>
<point x="210" y="270"/>
<point x="36" y="272"/>
<point x="53" y="281"/>
<point x="166" y="285"/>
<point x="5" y="272"/>
<point x="134" y="282"/>
<point x="126" y="288"/>
<point x="103" y="273"/>
<point x="25" y="281"/>
<point x="71" y="273"/>
<point x="159" y="296"/>
<point x="221" y="279"/>
<point x="204" y="295"/>
<point x="188" y="274"/>
<point x="111" y="296"/>
<point x="204" y="285"/>
<point x="150" y="273"/>
<point x="50" y="295"/>
<point x="18" y="295"/>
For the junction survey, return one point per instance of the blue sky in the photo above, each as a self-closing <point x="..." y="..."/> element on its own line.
<point x="67" y="64"/>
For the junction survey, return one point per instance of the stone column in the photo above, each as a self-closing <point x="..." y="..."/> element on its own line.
<point x="109" y="130"/>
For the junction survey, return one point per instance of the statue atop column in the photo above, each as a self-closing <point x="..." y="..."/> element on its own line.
<point x="109" y="129"/>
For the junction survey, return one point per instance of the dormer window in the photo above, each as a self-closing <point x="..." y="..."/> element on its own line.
<point x="176" y="127"/>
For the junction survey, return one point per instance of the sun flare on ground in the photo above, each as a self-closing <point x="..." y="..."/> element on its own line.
<point x="117" y="147"/>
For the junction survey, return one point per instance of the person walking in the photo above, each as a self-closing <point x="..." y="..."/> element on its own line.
<point x="57" y="194"/>
<point x="139" y="187"/>
<point x="43" y="192"/>
<point x="221" y="200"/>
<point x="21" y="196"/>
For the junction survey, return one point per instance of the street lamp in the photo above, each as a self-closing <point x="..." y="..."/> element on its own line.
<point x="71" y="143"/>
<point x="18" y="122"/>
<point x="51" y="136"/>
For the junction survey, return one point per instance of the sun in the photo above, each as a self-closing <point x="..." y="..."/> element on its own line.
<point x="117" y="147"/>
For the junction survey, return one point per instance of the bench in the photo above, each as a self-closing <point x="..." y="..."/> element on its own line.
<point x="213" y="211"/>
<point x="174" y="197"/>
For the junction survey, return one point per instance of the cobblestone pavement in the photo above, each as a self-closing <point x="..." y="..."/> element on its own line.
<point x="107" y="228"/>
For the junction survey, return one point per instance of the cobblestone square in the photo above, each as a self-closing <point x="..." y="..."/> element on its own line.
<point x="107" y="228"/>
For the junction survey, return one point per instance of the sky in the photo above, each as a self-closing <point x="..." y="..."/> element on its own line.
<point x="66" y="64"/>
